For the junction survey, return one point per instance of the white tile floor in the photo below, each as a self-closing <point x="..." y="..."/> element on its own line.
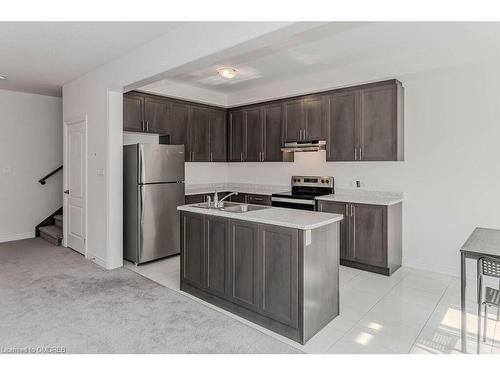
<point x="412" y="311"/>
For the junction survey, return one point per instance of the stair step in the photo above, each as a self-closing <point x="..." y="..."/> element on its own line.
<point x="59" y="220"/>
<point x="52" y="234"/>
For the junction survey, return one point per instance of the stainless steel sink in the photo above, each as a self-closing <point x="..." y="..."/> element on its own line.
<point x="232" y="207"/>
<point x="244" y="208"/>
<point x="223" y="205"/>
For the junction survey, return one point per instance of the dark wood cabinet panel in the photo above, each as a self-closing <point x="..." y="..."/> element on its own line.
<point x="341" y="209"/>
<point x="314" y="118"/>
<point x="378" y="123"/>
<point x="218" y="135"/>
<point x="193" y="265"/>
<point x="273" y="132"/>
<point x="240" y="198"/>
<point x="369" y="234"/>
<point x="178" y="123"/>
<point x="217" y="252"/>
<point x="243" y="271"/>
<point x="236" y="136"/>
<point x="195" y="198"/>
<point x="199" y="134"/>
<point x="133" y="113"/>
<point x="342" y="128"/>
<point x="294" y="120"/>
<point x="264" y="200"/>
<point x="278" y="268"/>
<point x="155" y="115"/>
<point x="253" y="134"/>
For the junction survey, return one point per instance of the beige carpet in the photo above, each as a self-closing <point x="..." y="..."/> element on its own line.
<point x="51" y="296"/>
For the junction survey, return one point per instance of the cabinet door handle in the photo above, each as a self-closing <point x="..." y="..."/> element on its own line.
<point x="211" y="156"/>
<point x="147" y="126"/>
<point x="355" y="153"/>
<point x="360" y="154"/>
<point x="352" y="210"/>
<point x="263" y="157"/>
<point x="241" y="156"/>
<point x="346" y="209"/>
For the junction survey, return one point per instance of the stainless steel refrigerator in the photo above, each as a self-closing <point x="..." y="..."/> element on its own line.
<point x="153" y="188"/>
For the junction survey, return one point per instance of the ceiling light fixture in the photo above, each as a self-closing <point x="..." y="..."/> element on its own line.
<point x="227" y="73"/>
<point x="2" y="77"/>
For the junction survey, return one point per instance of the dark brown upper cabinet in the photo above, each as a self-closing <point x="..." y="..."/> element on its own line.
<point x="314" y="127"/>
<point x="342" y="128"/>
<point x="359" y="123"/>
<point x="133" y="113"/>
<point x="178" y="124"/>
<point x="381" y="131"/>
<point x="254" y="137"/>
<point x="273" y="132"/>
<point x="155" y="115"/>
<point x="199" y="132"/>
<point x="366" y="123"/>
<point x="294" y="120"/>
<point x="236" y="136"/>
<point x="218" y="135"/>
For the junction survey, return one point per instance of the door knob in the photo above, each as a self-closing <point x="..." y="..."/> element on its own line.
<point x="66" y="191"/>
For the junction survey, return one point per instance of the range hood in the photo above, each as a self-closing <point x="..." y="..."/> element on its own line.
<point x="304" y="146"/>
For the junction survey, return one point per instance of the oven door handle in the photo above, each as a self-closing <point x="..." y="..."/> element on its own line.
<point x="291" y="200"/>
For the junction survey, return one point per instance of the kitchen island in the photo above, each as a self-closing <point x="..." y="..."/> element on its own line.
<point x="276" y="267"/>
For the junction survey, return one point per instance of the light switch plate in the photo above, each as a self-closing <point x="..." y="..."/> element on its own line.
<point x="101" y="172"/>
<point x="7" y="170"/>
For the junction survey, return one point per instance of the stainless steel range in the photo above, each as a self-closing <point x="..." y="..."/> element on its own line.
<point x="304" y="190"/>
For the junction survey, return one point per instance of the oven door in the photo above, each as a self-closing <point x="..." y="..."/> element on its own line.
<point x="299" y="204"/>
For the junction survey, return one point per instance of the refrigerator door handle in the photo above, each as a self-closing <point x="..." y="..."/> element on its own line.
<point x="142" y="204"/>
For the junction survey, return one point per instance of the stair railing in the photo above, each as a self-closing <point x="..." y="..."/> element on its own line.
<point x="42" y="180"/>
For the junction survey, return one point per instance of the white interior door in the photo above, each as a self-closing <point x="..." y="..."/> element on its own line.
<point x="76" y="152"/>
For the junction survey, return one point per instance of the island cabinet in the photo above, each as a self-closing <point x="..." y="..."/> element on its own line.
<point x="281" y="278"/>
<point x="370" y="235"/>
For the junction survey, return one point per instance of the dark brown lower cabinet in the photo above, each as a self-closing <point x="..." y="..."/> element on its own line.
<point x="193" y="245"/>
<point x="195" y="198"/>
<point x="370" y="235"/>
<point x="282" y="278"/>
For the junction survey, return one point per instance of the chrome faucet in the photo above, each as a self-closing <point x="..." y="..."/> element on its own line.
<point x="218" y="202"/>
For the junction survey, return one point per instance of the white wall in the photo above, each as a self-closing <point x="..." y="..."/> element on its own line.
<point x="95" y="95"/>
<point x="450" y="176"/>
<point x="30" y="147"/>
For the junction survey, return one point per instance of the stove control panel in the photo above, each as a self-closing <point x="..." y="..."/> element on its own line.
<point x="313" y="181"/>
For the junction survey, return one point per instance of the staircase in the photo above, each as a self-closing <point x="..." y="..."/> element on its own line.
<point x="54" y="232"/>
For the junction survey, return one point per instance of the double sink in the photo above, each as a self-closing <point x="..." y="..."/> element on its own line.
<point x="231" y="207"/>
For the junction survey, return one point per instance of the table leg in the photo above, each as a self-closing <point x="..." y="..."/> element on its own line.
<point x="463" y="277"/>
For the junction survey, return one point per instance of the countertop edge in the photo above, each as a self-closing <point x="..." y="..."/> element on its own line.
<point x="233" y="215"/>
<point x="362" y="200"/>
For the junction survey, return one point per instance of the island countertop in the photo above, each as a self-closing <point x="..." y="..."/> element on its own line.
<point x="285" y="217"/>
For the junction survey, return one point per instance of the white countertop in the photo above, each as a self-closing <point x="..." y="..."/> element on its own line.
<point x="284" y="217"/>
<point x="381" y="198"/>
<point x="239" y="187"/>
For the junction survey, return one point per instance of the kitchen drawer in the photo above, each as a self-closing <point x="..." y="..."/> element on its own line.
<point x="264" y="200"/>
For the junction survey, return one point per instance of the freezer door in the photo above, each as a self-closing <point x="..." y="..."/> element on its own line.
<point x="159" y="220"/>
<point x="160" y="163"/>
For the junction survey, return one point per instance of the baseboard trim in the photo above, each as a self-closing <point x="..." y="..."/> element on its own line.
<point x="16" y="236"/>
<point x="97" y="260"/>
